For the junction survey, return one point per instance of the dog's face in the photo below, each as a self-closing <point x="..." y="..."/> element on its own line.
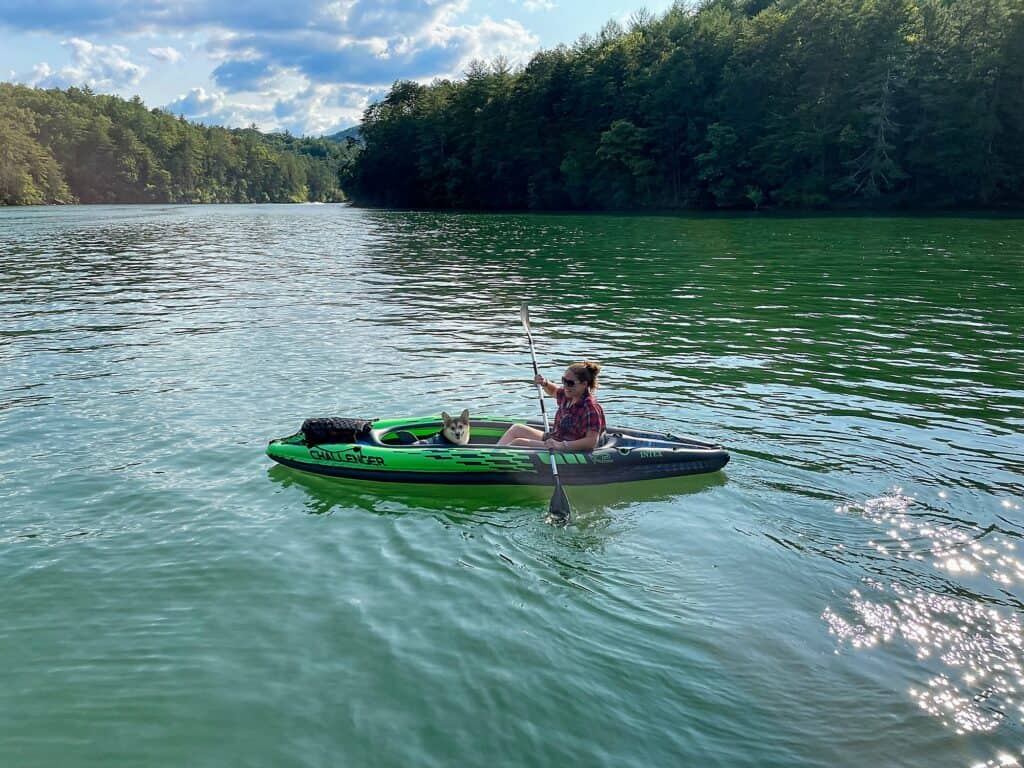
<point x="456" y="430"/>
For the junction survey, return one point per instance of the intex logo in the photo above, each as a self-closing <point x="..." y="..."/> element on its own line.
<point x="347" y="456"/>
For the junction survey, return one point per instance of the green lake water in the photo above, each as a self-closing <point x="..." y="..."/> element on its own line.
<point x="846" y="593"/>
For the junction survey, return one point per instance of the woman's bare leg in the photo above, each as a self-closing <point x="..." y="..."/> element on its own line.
<point x="526" y="442"/>
<point x="520" y="431"/>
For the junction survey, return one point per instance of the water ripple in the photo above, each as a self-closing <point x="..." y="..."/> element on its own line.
<point x="160" y="571"/>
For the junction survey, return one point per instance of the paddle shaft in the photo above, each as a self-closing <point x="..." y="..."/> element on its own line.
<point x="525" y="314"/>
<point x="536" y="372"/>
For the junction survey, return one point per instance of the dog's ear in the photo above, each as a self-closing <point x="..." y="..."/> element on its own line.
<point x="464" y="416"/>
<point x="446" y="417"/>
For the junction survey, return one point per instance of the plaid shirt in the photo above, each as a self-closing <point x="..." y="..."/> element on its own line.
<point x="574" y="421"/>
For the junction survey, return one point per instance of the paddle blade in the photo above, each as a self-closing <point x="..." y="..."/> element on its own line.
<point x="524" y="315"/>
<point x="559" y="511"/>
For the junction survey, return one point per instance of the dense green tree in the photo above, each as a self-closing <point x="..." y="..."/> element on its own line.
<point x="627" y="169"/>
<point x="59" y="146"/>
<point x="28" y="173"/>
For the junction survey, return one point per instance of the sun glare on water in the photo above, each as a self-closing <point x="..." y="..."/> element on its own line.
<point x="950" y="603"/>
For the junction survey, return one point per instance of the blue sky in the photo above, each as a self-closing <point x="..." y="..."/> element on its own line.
<point x="308" y="66"/>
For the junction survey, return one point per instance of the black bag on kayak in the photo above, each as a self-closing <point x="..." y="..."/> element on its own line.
<point x="334" y="430"/>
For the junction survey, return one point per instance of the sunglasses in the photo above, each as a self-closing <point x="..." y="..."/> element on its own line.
<point x="570" y="382"/>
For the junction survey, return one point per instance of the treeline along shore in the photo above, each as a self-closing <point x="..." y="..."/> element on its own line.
<point x="729" y="104"/>
<point x="67" y="146"/>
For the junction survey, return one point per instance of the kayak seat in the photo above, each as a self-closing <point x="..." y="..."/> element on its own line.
<point x="405" y="438"/>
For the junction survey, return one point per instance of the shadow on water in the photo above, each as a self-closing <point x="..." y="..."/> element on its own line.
<point x="503" y="506"/>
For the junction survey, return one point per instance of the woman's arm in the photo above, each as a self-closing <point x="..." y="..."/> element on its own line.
<point x="549" y="387"/>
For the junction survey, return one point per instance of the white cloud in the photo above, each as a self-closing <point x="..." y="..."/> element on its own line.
<point x="323" y="109"/>
<point x="490" y="39"/>
<point x="441" y="49"/>
<point x="312" y="83"/>
<point x="307" y="65"/>
<point x="217" y="108"/>
<point x="304" y="111"/>
<point x="101" y="67"/>
<point x="399" y="18"/>
<point x="196" y="104"/>
<point x="165" y="54"/>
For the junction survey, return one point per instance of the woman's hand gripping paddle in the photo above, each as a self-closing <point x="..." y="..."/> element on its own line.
<point x="559" y="510"/>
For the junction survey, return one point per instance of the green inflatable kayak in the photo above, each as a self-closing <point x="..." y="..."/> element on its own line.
<point x="409" y="450"/>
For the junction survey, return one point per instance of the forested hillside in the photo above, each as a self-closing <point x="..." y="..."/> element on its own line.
<point x="60" y="146"/>
<point x="735" y="104"/>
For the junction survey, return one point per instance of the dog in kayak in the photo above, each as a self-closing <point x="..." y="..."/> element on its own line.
<point x="455" y="431"/>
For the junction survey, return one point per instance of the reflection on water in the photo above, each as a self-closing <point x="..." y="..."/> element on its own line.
<point x="950" y="593"/>
<point x="465" y="504"/>
<point x="494" y="505"/>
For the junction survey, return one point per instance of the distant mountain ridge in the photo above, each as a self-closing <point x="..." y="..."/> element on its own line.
<point x="348" y="133"/>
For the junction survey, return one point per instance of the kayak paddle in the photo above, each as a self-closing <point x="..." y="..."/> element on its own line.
<point x="559" y="510"/>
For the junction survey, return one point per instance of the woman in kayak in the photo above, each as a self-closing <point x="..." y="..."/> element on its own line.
<point x="579" y="421"/>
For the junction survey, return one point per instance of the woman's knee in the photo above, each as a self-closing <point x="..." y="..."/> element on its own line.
<point x="519" y="432"/>
<point x="512" y="433"/>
